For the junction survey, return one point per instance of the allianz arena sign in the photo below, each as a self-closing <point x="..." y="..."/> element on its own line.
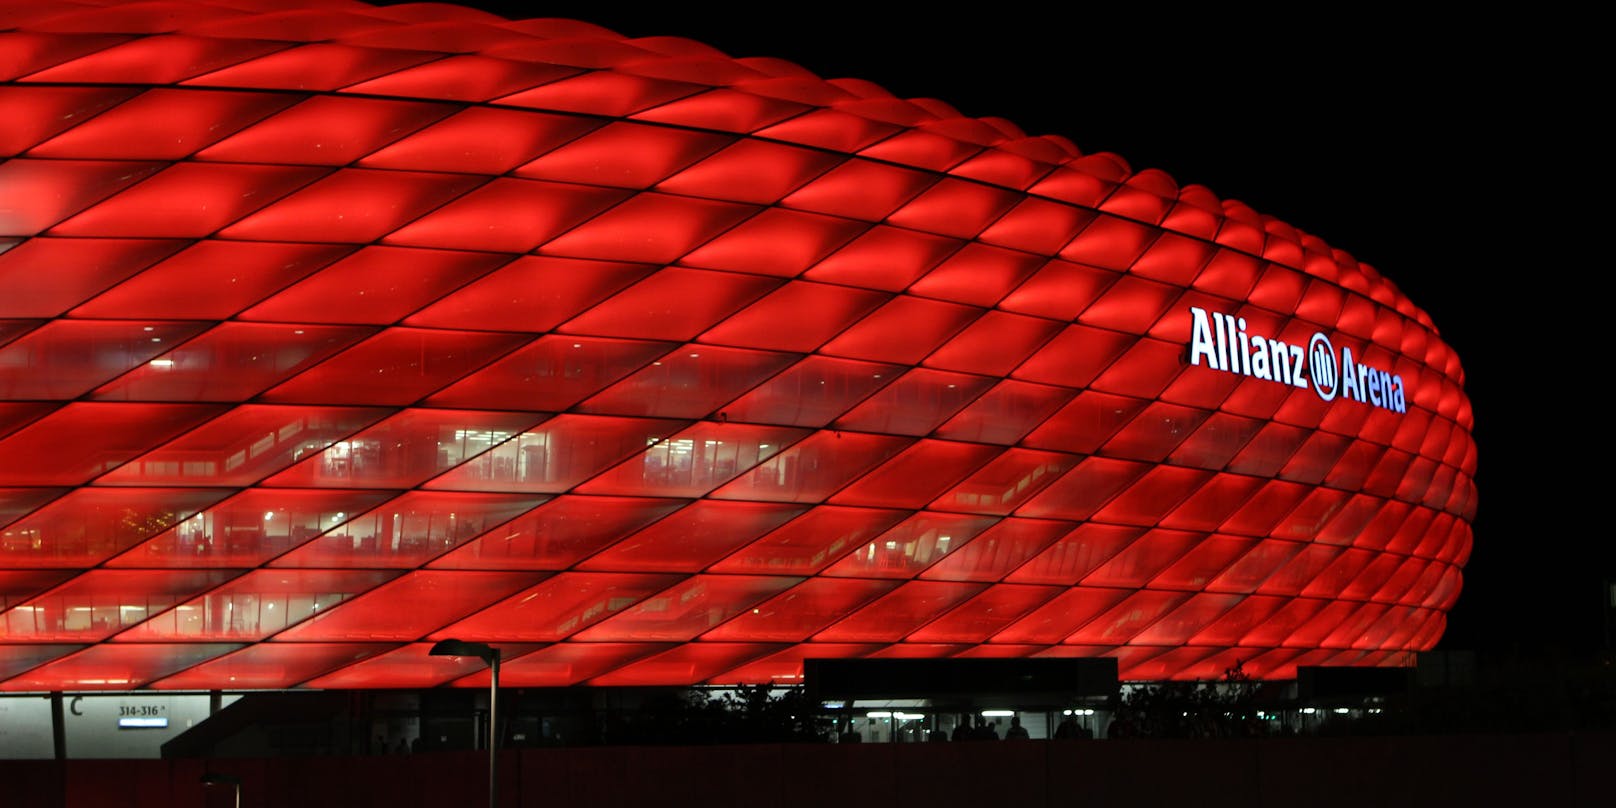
<point x="1220" y="342"/>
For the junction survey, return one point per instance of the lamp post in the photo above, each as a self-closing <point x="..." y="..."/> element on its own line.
<point x="217" y="779"/>
<point x="490" y="655"/>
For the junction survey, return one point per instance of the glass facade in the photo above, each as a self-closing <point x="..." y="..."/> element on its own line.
<point x="326" y="335"/>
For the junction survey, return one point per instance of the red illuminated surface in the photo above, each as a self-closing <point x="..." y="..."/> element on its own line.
<point x="329" y="333"/>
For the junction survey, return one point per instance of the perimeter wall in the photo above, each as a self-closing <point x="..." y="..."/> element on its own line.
<point x="1558" y="769"/>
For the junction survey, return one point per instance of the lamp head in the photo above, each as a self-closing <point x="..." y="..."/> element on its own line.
<point x="461" y="648"/>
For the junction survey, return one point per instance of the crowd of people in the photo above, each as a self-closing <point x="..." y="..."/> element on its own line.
<point x="970" y="728"/>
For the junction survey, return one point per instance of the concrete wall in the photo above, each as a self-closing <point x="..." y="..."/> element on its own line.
<point x="90" y="724"/>
<point x="1537" y="770"/>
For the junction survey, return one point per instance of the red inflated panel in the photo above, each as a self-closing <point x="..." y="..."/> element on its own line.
<point x="1143" y="558"/>
<point x="914" y="404"/>
<point x="993" y="345"/>
<point x="775" y="242"/>
<point x="556" y="454"/>
<point x="17" y="586"/>
<point x="652" y="228"/>
<point x="886" y="258"/>
<point x="811" y="392"/>
<point x="785" y="667"/>
<point x="116" y="667"/>
<point x="1076" y="554"/>
<point x="465" y="77"/>
<point x="57" y="189"/>
<point x="1059" y="290"/>
<point x="410" y="530"/>
<point x="688" y="382"/>
<point x="915" y="477"/>
<point x="998" y="550"/>
<point x="319" y="66"/>
<point x="694" y="461"/>
<point x="45" y="111"/>
<point x="83" y="439"/>
<point x="567" y="664"/>
<point x="1253" y="568"/>
<point x="532" y="293"/>
<point x="160" y="57"/>
<point x="557" y="608"/>
<point x="984" y="615"/>
<point x="189" y="200"/>
<point x="87" y="526"/>
<point x="412" y="665"/>
<point x="1075" y="356"/>
<point x="810" y="542"/>
<point x="244" y="445"/>
<point x="1005" y="413"/>
<point x="795" y="317"/>
<point x="558" y="533"/>
<point x="734" y="110"/>
<point x="478" y="139"/>
<point x="1196" y="568"/>
<point x="47" y="276"/>
<point x="1059" y="617"/>
<point x="191" y="285"/>
<point x="231" y="362"/>
<point x="256" y="605"/>
<point x="1176" y="627"/>
<point x="673" y="304"/>
<point x="436" y="598"/>
<point x="271" y="667"/>
<point x="750" y="171"/>
<point x="326" y="333"/>
<point x="688" y="609"/>
<point x="384" y="200"/>
<point x="860" y="189"/>
<point x="325" y="130"/>
<point x="249" y="528"/>
<point x="693" y="661"/>
<point x="802" y="610"/>
<point x="976" y="275"/>
<point x="551" y="373"/>
<point x="1081" y="491"/>
<point x="65" y="358"/>
<point x="911" y="546"/>
<point x="509" y="215"/>
<point x="1126" y="620"/>
<point x="400" y="366"/>
<point x="904" y="330"/>
<point x="626" y="155"/>
<point x="404" y="450"/>
<point x="692" y="537"/>
<point x="377" y="285"/>
<point x="97" y="604"/>
<point x="893" y="616"/>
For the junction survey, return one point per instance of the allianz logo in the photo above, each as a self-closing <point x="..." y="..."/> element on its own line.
<point x="1221" y="342"/>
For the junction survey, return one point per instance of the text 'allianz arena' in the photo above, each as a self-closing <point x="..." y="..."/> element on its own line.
<point x="331" y="332"/>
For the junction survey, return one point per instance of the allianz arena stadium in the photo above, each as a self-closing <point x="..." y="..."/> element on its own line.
<point x="332" y="331"/>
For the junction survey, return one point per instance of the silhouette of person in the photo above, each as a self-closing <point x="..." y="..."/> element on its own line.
<point x="1016" y="732"/>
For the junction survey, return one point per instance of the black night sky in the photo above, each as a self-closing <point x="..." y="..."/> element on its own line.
<point x="1456" y="154"/>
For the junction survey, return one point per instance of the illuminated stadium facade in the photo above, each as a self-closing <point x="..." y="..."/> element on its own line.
<point x="333" y="332"/>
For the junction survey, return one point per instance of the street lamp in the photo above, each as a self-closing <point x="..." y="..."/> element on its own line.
<point x="490" y="655"/>
<point x="217" y="779"/>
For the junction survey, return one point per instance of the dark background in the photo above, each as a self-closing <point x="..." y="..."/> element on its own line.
<point x="1458" y="154"/>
